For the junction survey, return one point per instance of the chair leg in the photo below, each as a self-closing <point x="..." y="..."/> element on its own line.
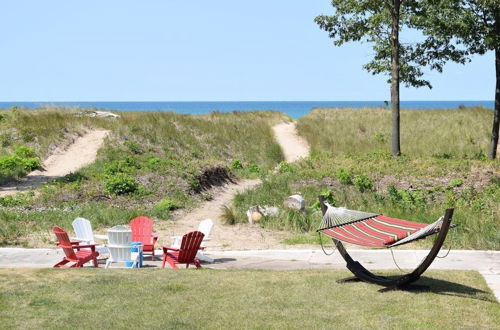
<point x="61" y="263"/>
<point x="96" y="264"/>
<point x="197" y="263"/>
<point x="164" y="258"/>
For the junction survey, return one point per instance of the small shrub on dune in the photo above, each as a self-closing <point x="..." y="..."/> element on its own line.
<point x="120" y="184"/>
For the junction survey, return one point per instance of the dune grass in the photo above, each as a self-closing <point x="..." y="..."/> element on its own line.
<point x="453" y="133"/>
<point x="443" y="166"/>
<point x="208" y="299"/>
<point x="151" y="164"/>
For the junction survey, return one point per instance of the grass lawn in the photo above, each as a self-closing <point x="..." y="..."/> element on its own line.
<point x="88" y="298"/>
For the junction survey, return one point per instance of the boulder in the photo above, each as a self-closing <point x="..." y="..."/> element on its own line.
<point x="295" y="202"/>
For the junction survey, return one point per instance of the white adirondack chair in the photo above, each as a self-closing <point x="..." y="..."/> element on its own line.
<point x="205" y="227"/>
<point x="120" y="250"/>
<point x="84" y="234"/>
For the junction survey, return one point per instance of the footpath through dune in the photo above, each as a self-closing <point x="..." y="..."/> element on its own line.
<point x="294" y="147"/>
<point x="82" y="152"/>
<point x="239" y="236"/>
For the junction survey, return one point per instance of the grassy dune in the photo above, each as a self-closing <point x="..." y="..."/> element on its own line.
<point x="211" y="299"/>
<point x="152" y="163"/>
<point x="443" y="166"/>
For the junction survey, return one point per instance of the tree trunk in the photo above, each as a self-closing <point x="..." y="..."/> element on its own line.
<point x="496" y="115"/>
<point x="396" y="148"/>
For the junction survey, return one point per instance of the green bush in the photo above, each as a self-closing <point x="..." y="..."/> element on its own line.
<point x="120" y="184"/>
<point x="236" y="164"/>
<point x="344" y="176"/>
<point x="455" y="183"/>
<point x="363" y="183"/>
<point x="163" y="208"/>
<point x="254" y="168"/>
<point x="24" y="152"/>
<point x="285" y="167"/>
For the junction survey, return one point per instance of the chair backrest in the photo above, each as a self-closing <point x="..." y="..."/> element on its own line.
<point x="119" y="238"/>
<point x="205" y="227"/>
<point x="83" y="230"/>
<point x="142" y="230"/>
<point x="189" y="246"/>
<point x="64" y="243"/>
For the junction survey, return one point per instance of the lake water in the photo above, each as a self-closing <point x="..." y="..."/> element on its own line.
<point x="295" y="109"/>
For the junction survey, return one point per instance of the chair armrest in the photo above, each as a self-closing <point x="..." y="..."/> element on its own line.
<point x="77" y="239"/>
<point x="155" y="237"/>
<point x="75" y="243"/>
<point x="201" y="248"/>
<point x="99" y="236"/>
<point x="91" y="246"/>
<point x="166" y="248"/>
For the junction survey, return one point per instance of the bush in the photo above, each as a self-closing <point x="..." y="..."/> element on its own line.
<point x="254" y="168"/>
<point x="285" y="167"/>
<point x="455" y="183"/>
<point x="120" y="184"/>
<point x="24" y="152"/>
<point x="163" y="208"/>
<point x="363" y="183"/>
<point x="344" y="176"/>
<point x="236" y="164"/>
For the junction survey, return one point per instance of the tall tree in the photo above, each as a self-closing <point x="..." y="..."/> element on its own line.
<point x="379" y="23"/>
<point x="473" y="25"/>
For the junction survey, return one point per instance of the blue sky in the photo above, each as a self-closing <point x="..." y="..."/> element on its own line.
<point x="197" y="50"/>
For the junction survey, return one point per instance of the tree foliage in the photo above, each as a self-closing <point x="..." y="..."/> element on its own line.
<point x="370" y="21"/>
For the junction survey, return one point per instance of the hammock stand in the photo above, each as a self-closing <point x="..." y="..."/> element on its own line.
<point x="393" y="283"/>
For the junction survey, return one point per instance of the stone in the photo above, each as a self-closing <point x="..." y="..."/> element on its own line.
<point x="252" y="214"/>
<point x="295" y="202"/>
<point x="270" y="211"/>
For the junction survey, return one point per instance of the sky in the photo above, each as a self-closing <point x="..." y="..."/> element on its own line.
<point x="197" y="50"/>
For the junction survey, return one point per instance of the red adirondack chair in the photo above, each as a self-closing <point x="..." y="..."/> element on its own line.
<point x="142" y="231"/>
<point x="186" y="254"/>
<point x="82" y="255"/>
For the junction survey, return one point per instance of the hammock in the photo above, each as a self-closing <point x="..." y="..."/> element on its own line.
<point x="379" y="231"/>
<point x="373" y="230"/>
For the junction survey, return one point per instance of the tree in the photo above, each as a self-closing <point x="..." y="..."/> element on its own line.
<point x="473" y="25"/>
<point x="379" y="23"/>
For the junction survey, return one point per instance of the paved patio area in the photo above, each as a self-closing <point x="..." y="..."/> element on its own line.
<point x="485" y="262"/>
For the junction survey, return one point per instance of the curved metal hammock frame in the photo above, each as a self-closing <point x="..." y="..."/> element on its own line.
<point x="393" y="283"/>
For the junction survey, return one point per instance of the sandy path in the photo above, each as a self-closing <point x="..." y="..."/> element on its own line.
<point x="239" y="236"/>
<point x="293" y="146"/>
<point x="222" y="237"/>
<point x="81" y="152"/>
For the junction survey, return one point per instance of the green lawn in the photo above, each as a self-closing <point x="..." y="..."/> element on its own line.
<point x="88" y="298"/>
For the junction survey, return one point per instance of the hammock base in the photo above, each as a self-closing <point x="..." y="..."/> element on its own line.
<point x="393" y="283"/>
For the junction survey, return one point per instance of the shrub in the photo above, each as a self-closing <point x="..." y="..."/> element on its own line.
<point x="254" y="168"/>
<point x="285" y="167"/>
<point x="163" y="208"/>
<point x="134" y="147"/>
<point x="344" y="176"/>
<point x="24" y="152"/>
<point x="329" y="198"/>
<point x="407" y="198"/>
<point x="120" y="184"/>
<point x="455" y="183"/>
<point x="363" y="183"/>
<point x="236" y="164"/>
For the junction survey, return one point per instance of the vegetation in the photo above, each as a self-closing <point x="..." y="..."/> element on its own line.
<point x="151" y="163"/>
<point x="238" y="299"/>
<point x="445" y="167"/>
<point x="473" y="25"/>
<point x="380" y="23"/>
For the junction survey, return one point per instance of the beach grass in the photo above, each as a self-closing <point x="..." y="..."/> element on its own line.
<point x="208" y="299"/>
<point x="440" y="168"/>
<point x="151" y="164"/>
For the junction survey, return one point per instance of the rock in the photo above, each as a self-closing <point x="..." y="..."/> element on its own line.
<point x="295" y="202"/>
<point x="270" y="211"/>
<point x="256" y="216"/>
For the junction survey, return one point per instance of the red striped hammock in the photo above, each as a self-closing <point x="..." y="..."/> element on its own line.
<point x="373" y="230"/>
